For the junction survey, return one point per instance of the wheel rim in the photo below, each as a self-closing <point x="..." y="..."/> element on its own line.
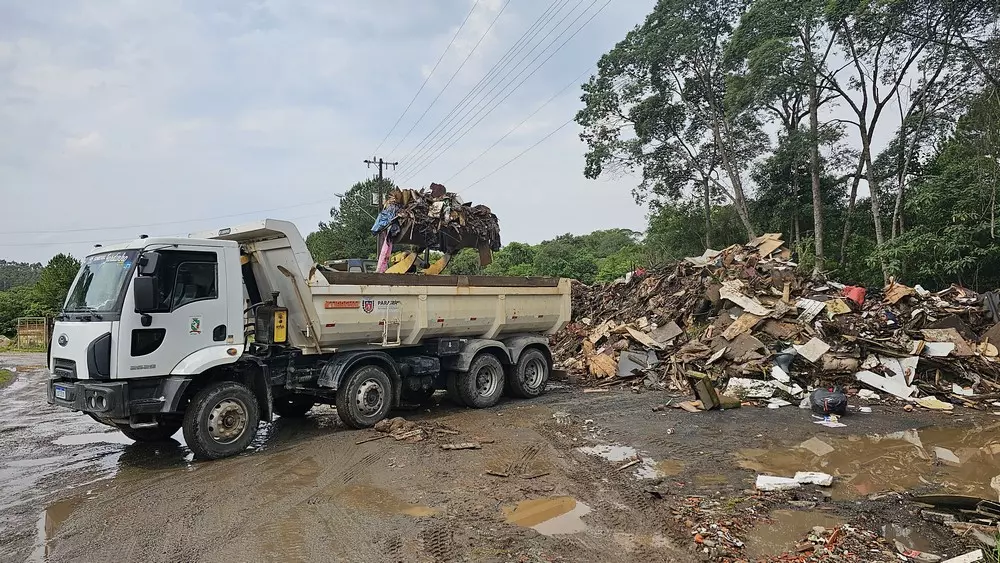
<point x="370" y="397"/>
<point x="227" y="421"/>
<point x="534" y="373"/>
<point x="487" y="380"/>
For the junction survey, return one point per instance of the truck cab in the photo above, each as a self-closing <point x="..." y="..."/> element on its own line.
<point x="218" y="332"/>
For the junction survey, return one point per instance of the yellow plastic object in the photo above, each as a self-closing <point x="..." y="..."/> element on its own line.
<point x="438" y="266"/>
<point x="280" y="327"/>
<point x="403" y="264"/>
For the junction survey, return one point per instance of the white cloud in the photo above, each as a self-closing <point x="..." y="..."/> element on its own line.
<point x="90" y="143"/>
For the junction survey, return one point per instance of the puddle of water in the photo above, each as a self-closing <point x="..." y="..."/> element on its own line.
<point x="906" y="536"/>
<point x="374" y="499"/>
<point x="616" y="453"/>
<point x="49" y="523"/>
<point x="788" y="529"/>
<point x="549" y="516"/>
<point x="956" y="460"/>
<point x="113" y="437"/>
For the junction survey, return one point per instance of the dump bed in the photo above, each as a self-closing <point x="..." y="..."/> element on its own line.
<point x="333" y="310"/>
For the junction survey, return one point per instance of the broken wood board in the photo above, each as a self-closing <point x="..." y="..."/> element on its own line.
<point x="462" y="446"/>
<point x="743" y="348"/>
<point x="732" y="291"/>
<point x="810" y="308"/>
<point x="812" y="350"/>
<point x="602" y="365"/>
<point x="767" y="247"/>
<point x="742" y="325"/>
<point x="601" y="331"/>
<point x="666" y="333"/>
<point x="780" y="330"/>
<point x="962" y="347"/>
<point x="644" y="339"/>
<point x="690" y="406"/>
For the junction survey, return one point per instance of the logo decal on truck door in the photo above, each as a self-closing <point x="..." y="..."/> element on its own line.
<point x="368" y="305"/>
<point x="195" y="325"/>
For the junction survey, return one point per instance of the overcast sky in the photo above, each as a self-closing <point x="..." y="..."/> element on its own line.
<point x="170" y="115"/>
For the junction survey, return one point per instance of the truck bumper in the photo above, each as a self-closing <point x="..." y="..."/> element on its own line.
<point x="119" y="399"/>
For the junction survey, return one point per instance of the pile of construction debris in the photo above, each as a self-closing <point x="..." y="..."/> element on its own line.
<point x="743" y="319"/>
<point x="437" y="219"/>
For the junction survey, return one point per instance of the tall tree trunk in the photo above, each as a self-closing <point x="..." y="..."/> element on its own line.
<point x="734" y="177"/>
<point x="817" y="196"/>
<point x="796" y="231"/>
<point x="708" y="214"/>
<point x="850" y="208"/>
<point x="876" y="199"/>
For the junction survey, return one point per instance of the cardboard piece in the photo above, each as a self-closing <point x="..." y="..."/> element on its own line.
<point x="780" y="330"/>
<point x="962" y="347"/>
<point x="742" y="325"/>
<point x="644" y="339"/>
<point x="813" y="350"/>
<point x="836" y="307"/>
<point x="732" y="291"/>
<point x="817" y="447"/>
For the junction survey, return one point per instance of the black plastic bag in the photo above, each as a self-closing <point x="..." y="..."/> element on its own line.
<point x="829" y="400"/>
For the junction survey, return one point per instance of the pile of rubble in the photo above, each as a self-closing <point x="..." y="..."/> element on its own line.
<point x="439" y="220"/>
<point x="744" y="319"/>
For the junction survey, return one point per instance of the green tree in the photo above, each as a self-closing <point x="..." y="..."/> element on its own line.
<point x="658" y="105"/>
<point x="14" y="303"/>
<point x="515" y="259"/>
<point x="348" y="232"/>
<point x="49" y="293"/>
<point x="465" y="263"/>
<point x="14" y="274"/>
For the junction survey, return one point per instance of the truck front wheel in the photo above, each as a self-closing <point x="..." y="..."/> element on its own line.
<point x="364" y="397"/>
<point x="221" y="420"/>
<point x="482" y="385"/>
<point x="160" y="433"/>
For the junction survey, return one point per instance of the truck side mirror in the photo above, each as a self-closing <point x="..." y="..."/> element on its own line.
<point x="148" y="262"/>
<point x="144" y="293"/>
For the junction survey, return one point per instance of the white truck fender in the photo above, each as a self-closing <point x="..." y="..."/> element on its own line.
<point x="205" y="359"/>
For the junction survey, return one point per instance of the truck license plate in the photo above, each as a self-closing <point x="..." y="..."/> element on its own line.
<point x="60" y="392"/>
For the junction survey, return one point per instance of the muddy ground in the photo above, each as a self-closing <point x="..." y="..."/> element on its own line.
<point x="307" y="491"/>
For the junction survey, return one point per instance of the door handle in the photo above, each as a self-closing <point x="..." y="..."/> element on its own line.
<point x="219" y="333"/>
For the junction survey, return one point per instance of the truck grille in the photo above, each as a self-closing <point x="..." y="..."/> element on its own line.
<point x="64" y="368"/>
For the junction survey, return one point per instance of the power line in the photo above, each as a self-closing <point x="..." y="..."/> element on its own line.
<point x="497" y="68"/>
<point x="574" y="82"/>
<point x="421" y="89"/>
<point x="182" y="222"/>
<point x="112" y="240"/>
<point x="519" y="155"/>
<point x="460" y="134"/>
<point x="460" y="67"/>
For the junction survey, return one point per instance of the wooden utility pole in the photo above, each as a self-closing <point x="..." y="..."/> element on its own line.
<point x="378" y="197"/>
<point x="381" y="165"/>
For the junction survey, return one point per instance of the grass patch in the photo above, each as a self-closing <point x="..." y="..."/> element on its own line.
<point x="6" y="376"/>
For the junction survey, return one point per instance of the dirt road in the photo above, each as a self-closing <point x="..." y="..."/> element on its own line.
<point x="546" y="485"/>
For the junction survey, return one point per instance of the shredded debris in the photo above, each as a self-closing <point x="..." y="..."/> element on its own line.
<point x="745" y="319"/>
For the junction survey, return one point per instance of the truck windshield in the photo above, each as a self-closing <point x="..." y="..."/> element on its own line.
<point x="99" y="284"/>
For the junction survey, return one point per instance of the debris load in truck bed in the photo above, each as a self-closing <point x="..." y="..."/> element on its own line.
<point x="746" y="318"/>
<point x="439" y="220"/>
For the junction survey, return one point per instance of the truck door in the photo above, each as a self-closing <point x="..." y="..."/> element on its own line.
<point x="191" y="318"/>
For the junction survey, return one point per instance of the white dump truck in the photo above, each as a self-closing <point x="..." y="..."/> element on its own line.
<point x="219" y="331"/>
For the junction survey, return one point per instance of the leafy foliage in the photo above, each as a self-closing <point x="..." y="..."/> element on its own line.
<point x="15" y="274"/>
<point x="43" y="298"/>
<point x="348" y="232"/>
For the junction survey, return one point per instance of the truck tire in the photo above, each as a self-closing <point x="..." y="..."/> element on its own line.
<point x="453" y="394"/>
<point x="530" y="376"/>
<point x="221" y="420"/>
<point x="160" y="433"/>
<point x="482" y="385"/>
<point x="293" y="407"/>
<point x="364" y="397"/>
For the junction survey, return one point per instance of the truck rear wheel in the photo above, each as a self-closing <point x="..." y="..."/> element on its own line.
<point x="530" y="376"/>
<point x="364" y="397"/>
<point x="160" y="433"/>
<point x="221" y="420"/>
<point x="293" y="407"/>
<point x="482" y="385"/>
